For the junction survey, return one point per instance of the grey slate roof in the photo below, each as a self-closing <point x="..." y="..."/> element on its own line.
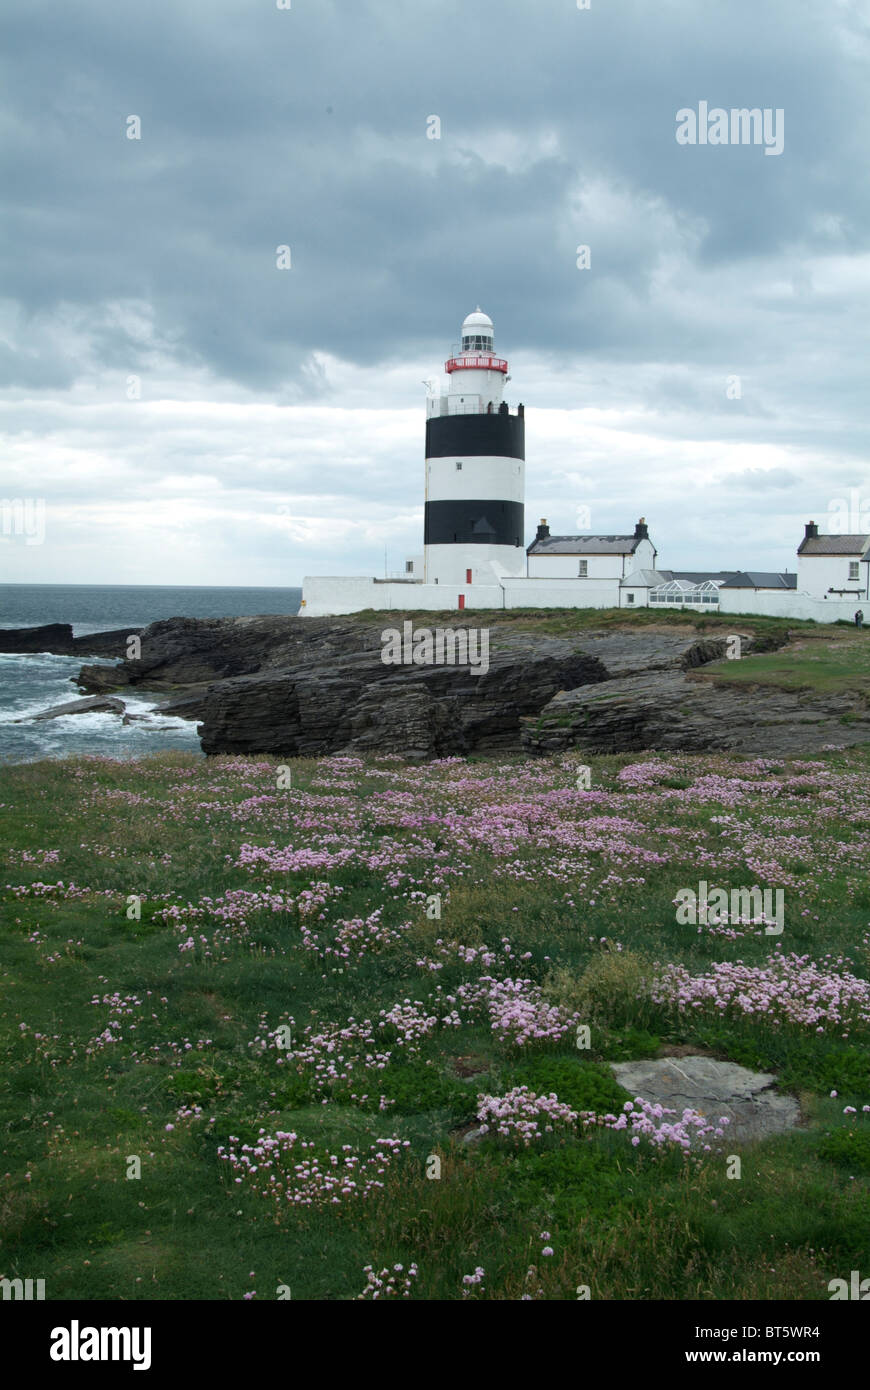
<point x="758" y="579"/>
<point x="833" y="545"/>
<point x="644" y="579"/>
<point x="585" y="545"/>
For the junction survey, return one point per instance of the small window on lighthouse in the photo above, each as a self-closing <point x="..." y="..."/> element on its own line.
<point x="459" y="465"/>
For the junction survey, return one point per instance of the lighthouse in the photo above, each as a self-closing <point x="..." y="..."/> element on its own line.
<point x="475" y="468"/>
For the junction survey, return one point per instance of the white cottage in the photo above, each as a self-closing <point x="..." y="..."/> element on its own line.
<point x="598" y="559"/>
<point x="834" y="567"/>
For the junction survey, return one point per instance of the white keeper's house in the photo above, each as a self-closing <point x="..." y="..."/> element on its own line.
<point x="834" y="567"/>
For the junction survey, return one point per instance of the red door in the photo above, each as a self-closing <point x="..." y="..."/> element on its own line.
<point x="461" y="600"/>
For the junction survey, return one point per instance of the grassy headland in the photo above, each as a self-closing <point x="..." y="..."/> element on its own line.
<point x="164" y="921"/>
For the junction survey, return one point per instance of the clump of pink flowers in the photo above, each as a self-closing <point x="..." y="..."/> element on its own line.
<point x="521" y="1114"/>
<point x="267" y="1169"/>
<point x="647" y="1121"/>
<point x="518" y="1012"/>
<point x="389" y="1283"/>
<point x="789" y="989"/>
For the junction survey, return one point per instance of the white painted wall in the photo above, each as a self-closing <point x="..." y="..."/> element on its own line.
<point x="818" y="573"/>
<point x="449" y="563"/>
<point x="330" y="597"/>
<point x="780" y="603"/>
<point x="599" y="567"/>
<point x="636" y="596"/>
<point x="471" y="382"/>
<point x="327" y="597"/>
<point x="560" y="593"/>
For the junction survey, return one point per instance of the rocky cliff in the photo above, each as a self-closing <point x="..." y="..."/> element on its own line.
<point x="301" y="686"/>
<point x="667" y="709"/>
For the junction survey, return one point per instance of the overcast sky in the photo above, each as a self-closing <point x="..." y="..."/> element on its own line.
<point x="279" y="429"/>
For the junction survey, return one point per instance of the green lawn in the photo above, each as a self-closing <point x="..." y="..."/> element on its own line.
<point x="830" y="665"/>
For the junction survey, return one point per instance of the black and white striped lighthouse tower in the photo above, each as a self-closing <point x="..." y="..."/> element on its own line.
<point x="475" y="468"/>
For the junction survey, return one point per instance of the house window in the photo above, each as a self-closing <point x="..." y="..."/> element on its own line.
<point x="409" y="566"/>
<point x="583" y="571"/>
<point x="853" y="569"/>
<point x="629" y="598"/>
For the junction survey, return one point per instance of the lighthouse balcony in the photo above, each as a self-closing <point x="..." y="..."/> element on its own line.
<point x="476" y="361"/>
<point x="466" y="405"/>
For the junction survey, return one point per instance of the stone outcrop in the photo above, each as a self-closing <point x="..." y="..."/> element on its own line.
<point x="58" y="640"/>
<point x="305" y="686"/>
<point x="747" y="1099"/>
<point x="184" y="652"/>
<point x="99" y="679"/>
<point x="356" y="703"/>
<point x="668" y="710"/>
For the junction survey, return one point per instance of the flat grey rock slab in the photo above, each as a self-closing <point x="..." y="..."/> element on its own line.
<point x="94" y="704"/>
<point x="748" y="1098"/>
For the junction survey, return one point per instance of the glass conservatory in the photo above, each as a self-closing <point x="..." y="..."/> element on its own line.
<point x="684" y="593"/>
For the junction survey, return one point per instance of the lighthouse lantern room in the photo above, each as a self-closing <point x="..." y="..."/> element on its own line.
<point x="475" y="467"/>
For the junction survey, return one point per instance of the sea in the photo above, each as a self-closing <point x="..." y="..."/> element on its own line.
<point x="32" y="683"/>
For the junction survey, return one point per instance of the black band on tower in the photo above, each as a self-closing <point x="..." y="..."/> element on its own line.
<point x="473" y="522"/>
<point x="502" y="436"/>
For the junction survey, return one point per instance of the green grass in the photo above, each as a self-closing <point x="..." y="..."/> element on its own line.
<point x="837" y="665"/>
<point x="631" y="1223"/>
<point x="565" y="622"/>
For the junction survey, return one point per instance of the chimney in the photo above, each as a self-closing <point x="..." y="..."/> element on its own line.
<point x="543" y="530"/>
<point x="811" y="530"/>
<point x="640" y="531"/>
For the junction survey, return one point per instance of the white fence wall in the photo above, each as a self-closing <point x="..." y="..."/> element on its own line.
<point x="560" y="593"/>
<point x="324" y="597"/>
<point x="784" y="603"/>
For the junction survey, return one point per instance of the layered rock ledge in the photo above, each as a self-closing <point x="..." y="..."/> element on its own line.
<point x="306" y="686"/>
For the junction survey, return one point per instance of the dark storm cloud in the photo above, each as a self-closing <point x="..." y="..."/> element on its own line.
<point x="307" y="127"/>
<point x="156" y="259"/>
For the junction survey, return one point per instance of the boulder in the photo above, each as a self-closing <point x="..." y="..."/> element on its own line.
<point x="96" y="680"/>
<point x="94" y="704"/>
<point x="748" y="1099"/>
<point x="57" y="638"/>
